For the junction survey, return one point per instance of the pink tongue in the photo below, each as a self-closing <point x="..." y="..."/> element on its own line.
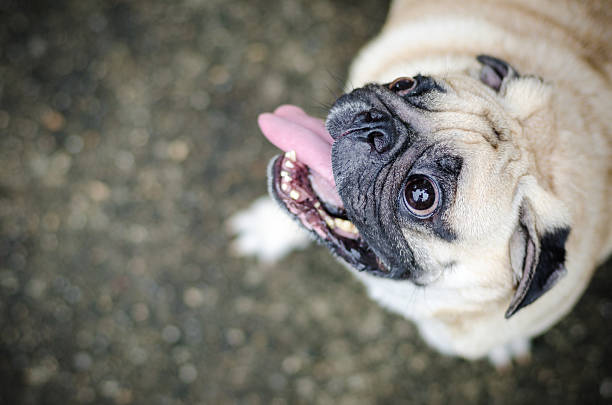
<point x="290" y="128"/>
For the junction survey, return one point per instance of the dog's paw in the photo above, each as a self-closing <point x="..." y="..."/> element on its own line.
<point x="518" y="350"/>
<point x="263" y="230"/>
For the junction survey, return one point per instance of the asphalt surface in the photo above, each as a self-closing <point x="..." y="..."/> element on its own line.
<point x="127" y="138"/>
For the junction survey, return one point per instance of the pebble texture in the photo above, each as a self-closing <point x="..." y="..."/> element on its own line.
<point x="127" y="138"/>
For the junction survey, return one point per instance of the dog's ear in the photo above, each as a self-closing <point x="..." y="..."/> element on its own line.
<point x="495" y="72"/>
<point x="537" y="255"/>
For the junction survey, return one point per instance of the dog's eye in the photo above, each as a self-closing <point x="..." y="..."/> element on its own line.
<point x="421" y="195"/>
<point x="403" y="85"/>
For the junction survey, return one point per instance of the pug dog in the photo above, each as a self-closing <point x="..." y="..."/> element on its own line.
<point x="467" y="178"/>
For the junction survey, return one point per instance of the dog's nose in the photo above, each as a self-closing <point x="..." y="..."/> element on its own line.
<point x="375" y="128"/>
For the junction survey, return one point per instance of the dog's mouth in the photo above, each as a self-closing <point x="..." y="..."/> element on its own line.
<point x="310" y="199"/>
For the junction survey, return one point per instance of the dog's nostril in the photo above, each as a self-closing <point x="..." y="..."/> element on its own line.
<point x="373" y="127"/>
<point x="371" y="116"/>
<point x="372" y="136"/>
<point x="378" y="140"/>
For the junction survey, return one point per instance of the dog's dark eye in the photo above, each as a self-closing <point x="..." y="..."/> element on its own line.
<point x="403" y="85"/>
<point x="421" y="195"/>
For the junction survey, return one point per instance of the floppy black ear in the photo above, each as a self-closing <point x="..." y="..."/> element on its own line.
<point x="495" y="72"/>
<point x="537" y="257"/>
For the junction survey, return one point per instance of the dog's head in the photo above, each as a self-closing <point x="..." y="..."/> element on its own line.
<point x="439" y="176"/>
<point x="445" y="182"/>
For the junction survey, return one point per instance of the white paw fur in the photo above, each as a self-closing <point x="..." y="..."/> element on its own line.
<point x="501" y="356"/>
<point x="263" y="230"/>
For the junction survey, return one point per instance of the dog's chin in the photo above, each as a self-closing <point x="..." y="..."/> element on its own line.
<point x="293" y="186"/>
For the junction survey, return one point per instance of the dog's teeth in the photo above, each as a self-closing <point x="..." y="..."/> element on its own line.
<point x="289" y="165"/>
<point x="285" y="175"/>
<point x="285" y="187"/>
<point x="346" y="226"/>
<point x="294" y="194"/>
<point x="328" y="220"/>
<point x="291" y="155"/>
<point x="320" y="210"/>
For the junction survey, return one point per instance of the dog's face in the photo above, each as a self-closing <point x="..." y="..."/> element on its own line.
<point x="435" y="174"/>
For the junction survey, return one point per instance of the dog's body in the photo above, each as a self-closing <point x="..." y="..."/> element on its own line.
<point x="533" y="165"/>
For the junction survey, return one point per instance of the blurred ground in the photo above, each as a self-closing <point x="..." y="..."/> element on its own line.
<point x="128" y="137"/>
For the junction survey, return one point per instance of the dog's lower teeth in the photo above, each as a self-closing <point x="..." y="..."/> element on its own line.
<point x="346" y="226"/>
<point x="328" y="220"/>
<point x="289" y="165"/>
<point x="294" y="194"/>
